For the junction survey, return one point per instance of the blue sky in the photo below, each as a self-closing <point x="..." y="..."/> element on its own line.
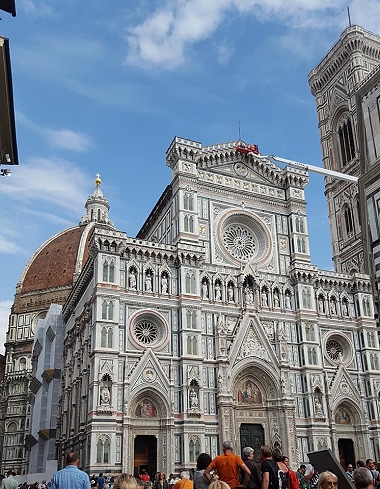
<point x="105" y="86"/>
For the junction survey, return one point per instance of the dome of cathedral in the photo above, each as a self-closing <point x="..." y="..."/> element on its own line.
<point x="52" y="270"/>
<point x="54" y="264"/>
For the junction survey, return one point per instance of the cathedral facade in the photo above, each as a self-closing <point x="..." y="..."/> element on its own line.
<point x="212" y="324"/>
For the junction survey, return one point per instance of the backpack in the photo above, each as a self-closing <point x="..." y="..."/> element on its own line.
<point x="277" y="479"/>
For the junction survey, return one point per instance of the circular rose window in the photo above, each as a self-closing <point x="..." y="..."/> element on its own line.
<point x="244" y="237"/>
<point x="148" y="329"/>
<point x="334" y="350"/>
<point x="146" y="332"/>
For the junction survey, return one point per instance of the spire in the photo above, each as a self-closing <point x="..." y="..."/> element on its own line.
<point x="97" y="206"/>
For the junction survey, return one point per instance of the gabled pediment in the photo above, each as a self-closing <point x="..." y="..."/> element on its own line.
<point x="252" y="341"/>
<point x="344" y="388"/>
<point x="148" y="373"/>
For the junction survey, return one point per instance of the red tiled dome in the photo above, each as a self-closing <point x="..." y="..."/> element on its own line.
<point x="54" y="263"/>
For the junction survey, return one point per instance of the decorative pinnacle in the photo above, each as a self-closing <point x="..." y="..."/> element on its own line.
<point x="98" y="180"/>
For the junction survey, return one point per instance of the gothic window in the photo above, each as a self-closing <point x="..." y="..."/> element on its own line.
<point x="371" y="339"/>
<point x="300" y="228"/>
<point x="189" y="224"/>
<point x="306" y="298"/>
<point x="105" y="271"/>
<point x="194" y="448"/>
<point x="346" y="141"/>
<point x="191" y="345"/>
<point x="191" y="320"/>
<point x="107" y="310"/>
<point x="106" y="338"/>
<point x="190" y="282"/>
<point x="366" y="306"/>
<point x="99" y="215"/>
<point x="309" y="332"/>
<point x="22" y="363"/>
<point x="334" y="349"/>
<point x="348" y="220"/>
<point x="103" y="450"/>
<point x="301" y="245"/>
<point x="188" y="201"/>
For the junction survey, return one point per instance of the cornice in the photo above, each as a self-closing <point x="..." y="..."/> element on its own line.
<point x="353" y="39"/>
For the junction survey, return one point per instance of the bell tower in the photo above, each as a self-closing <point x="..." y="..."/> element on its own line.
<point x="334" y="83"/>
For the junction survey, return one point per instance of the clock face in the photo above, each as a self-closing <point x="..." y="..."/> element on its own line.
<point x="244" y="237"/>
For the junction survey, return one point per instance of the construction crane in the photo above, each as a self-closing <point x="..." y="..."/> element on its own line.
<point x="296" y="164"/>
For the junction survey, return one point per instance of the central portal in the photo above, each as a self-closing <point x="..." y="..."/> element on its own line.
<point x="252" y="435"/>
<point x="145" y="455"/>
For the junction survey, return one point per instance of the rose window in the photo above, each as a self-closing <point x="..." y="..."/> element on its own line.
<point x="239" y="241"/>
<point x="146" y="332"/>
<point x="334" y="350"/>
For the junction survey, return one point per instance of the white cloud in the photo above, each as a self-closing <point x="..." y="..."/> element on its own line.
<point x="55" y="181"/>
<point x="58" y="138"/>
<point x="8" y="246"/>
<point x="164" y="38"/>
<point x="5" y="307"/>
<point x="36" y="9"/>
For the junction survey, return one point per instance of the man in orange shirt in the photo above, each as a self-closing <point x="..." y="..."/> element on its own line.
<point x="227" y="466"/>
<point x="184" y="482"/>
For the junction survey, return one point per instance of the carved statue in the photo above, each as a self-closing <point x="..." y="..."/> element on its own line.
<point x="105" y="395"/>
<point x="132" y="280"/>
<point x="230" y="292"/>
<point x="218" y="292"/>
<point x="148" y="283"/>
<point x="164" y="284"/>
<point x="204" y="290"/>
<point x="194" y="403"/>
<point x="264" y="298"/>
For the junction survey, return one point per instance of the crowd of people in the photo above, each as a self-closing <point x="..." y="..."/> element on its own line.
<point x="226" y="471"/>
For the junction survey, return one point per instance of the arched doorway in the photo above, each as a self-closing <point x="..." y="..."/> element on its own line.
<point x="145" y="455"/>
<point x="252" y="435"/>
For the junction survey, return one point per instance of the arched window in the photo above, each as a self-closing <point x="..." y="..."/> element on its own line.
<point x="190" y="282"/>
<point x="346" y="141"/>
<point x="194" y="448"/>
<point x="105" y="271"/>
<point x="107" y="310"/>
<point x="188" y="201"/>
<point x="103" y="450"/>
<point x="103" y="340"/>
<point x="110" y="338"/>
<point x="191" y="345"/>
<point x="110" y="310"/>
<point x="104" y="310"/>
<point x="111" y="277"/>
<point x="300" y="228"/>
<point x="348" y="220"/>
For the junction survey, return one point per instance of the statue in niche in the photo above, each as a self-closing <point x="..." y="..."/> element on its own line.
<point x="145" y="409"/>
<point x="264" y="298"/>
<point x="194" y="402"/>
<point x="105" y="396"/>
<point x="230" y="292"/>
<point x="321" y="304"/>
<point x="333" y="307"/>
<point x="276" y="299"/>
<point x="248" y="295"/>
<point x="218" y="292"/>
<point x="248" y="392"/>
<point x="132" y="280"/>
<point x="318" y="396"/>
<point x="345" y="308"/>
<point x="288" y="302"/>
<point x="148" y="283"/>
<point x="164" y="284"/>
<point x="204" y="290"/>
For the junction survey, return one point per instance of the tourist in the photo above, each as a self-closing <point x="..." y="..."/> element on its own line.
<point x="9" y="482"/>
<point x="363" y="478"/>
<point x="144" y="476"/>
<point x="70" y="477"/>
<point x="101" y="480"/>
<point x="160" y="481"/>
<point x="200" y="481"/>
<point x="350" y="471"/>
<point x="184" y="482"/>
<point x="269" y="469"/>
<point x="327" y="480"/>
<point x="227" y="465"/>
<point x="218" y="484"/>
<point x="254" y="467"/>
<point x="125" y="481"/>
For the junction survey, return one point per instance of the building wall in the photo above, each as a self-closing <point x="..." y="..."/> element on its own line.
<point x="334" y="83"/>
<point x="209" y="328"/>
